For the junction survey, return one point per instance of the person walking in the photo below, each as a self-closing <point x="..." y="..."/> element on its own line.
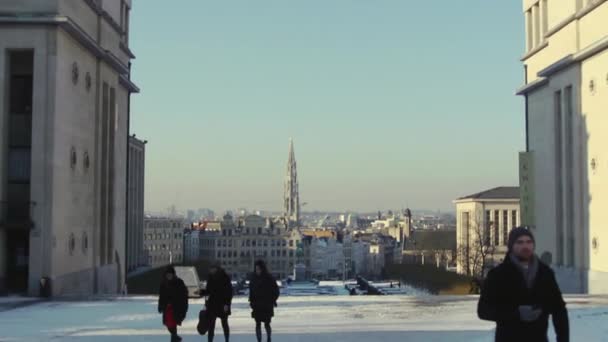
<point x="172" y="302"/>
<point x="219" y="292"/>
<point x="521" y="293"/>
<point x="263" y="295"/>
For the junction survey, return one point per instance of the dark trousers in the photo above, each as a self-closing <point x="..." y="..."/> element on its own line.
<point x="225" y="327"/>
<point x="258" y="330"/>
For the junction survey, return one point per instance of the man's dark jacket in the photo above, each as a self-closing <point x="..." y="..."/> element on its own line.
<point x="504" y="290"/>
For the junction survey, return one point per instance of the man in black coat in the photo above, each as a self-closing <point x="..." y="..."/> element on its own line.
<point x="521" y="293"/>
<point x="172" y="302"/>
<point x="219" y="290"/>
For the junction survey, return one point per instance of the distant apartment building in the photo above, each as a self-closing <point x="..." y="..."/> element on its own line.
<point x="135" y="203"/>
<point x="383" y="250"/>
<point x="64" y="110"/>
<point x="360" y="257"/>
<point x="163" y="241"/>
<point x="242" y="241"/>
<point x="326" y="257"/>
<point x="484" y="220"/>
<point x="200" y="242"/>
<point x="563" y="169"/>
<point x="192" y="245"/>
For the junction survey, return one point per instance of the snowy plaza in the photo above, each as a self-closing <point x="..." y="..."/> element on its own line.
<point x="308" y="318"/>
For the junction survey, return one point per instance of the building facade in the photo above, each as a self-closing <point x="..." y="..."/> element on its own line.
<point x="360" y="257"/>
<point x="483" y="223"/>
<point x="192" y="245"/>
<point x="135" y="204"/>
<point x="566" y="95"/>
<point x="200" y="243"/>
<point x="242" y="241"/>
<point x="64" y="113"/>
<point x="163" y="241"/>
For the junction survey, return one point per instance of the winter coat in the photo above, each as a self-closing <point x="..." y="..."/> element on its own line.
<point x="504" y="290"/>
<point x="173" y="292"/>
<point x="219" y="290"/>
<point x="263" y="295"/>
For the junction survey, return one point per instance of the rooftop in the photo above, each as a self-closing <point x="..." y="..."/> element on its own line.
<point x="501" y="192"/>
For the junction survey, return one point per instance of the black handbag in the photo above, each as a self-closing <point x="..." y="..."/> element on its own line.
<point x="203" y="322"/>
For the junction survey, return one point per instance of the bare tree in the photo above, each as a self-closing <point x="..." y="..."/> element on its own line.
<point x="477" y="253"/>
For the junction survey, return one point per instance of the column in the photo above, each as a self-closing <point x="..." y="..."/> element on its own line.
<point x="529" y="31"/>
<point x="536" y="25"/>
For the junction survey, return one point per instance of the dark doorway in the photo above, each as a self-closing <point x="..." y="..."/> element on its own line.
<point x="18" y="251"/>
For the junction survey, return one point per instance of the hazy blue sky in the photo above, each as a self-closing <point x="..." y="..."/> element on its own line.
<point x="390" y="103"/>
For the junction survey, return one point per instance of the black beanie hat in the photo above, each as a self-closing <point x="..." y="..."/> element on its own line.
<point x="170" y="269"/>
<point x="518" y="232"/>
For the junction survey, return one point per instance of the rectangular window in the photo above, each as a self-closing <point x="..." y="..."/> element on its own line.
<point x="105" y="112"/>
<point x="545" y="17"/>
<point x="559" y="191"/>
<point x="496" y="227"/>
<point x="465" y="229"/>
<point x="505" y="227"/>
<point x="570" y="179"/>
<point x="111" y="174"/>
<point x="19" y="165"/>
<point x="536" y="13"/>
<point x="529" y="30"/>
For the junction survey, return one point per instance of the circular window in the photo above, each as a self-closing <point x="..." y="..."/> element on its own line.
<point x="72" y="244"/>
<point x="75" y="73"/>
<point x="595" y="244"/>
<point x="86" y="161"/>
<point x="85" y="242"/>
<point x="73" y="158"/>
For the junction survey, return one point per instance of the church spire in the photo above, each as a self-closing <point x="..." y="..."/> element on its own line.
<point x="292" y="195"/>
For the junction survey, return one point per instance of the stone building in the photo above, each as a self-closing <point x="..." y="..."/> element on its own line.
<point x="64" y="121"/>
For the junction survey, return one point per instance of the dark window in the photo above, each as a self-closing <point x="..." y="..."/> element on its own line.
<point x="513" y="219"/>
<point x="496" y="226"/>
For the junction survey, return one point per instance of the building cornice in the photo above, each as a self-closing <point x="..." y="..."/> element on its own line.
<point x="126" y="50"/>
<point x="561" y="64"/>
<point x="588" y="8"/>
<point x="77" y="33"/>
<point x="534" y="51"/>
<point x="532" y="86"/>
<point x="126" y="82"/>
<point x="560" y="25"/>
<point x="98" y="9"/>
<point x="591" y="50"/>
<point x="486" y="200"/>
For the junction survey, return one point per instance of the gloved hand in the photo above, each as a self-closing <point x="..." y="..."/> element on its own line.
<point x="527" y="313"/>
<point x="160" y="310"/>
<point x="275" y="304"/>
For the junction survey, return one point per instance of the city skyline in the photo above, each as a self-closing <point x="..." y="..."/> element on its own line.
<point x="382" y="103"/>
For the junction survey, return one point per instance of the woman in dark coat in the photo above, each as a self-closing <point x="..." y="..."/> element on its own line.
<point x="263" y="295"/>
<point x="219" y="291"/>
<point x="172" y="302"/>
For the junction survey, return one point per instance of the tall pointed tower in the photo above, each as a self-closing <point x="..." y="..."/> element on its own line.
<point x="292" y="195"/>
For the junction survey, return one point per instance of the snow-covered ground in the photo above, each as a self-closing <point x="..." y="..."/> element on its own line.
<point x="314" y="318"/>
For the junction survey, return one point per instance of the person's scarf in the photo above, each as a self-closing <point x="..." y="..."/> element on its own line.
<point x="528" y="273"/>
